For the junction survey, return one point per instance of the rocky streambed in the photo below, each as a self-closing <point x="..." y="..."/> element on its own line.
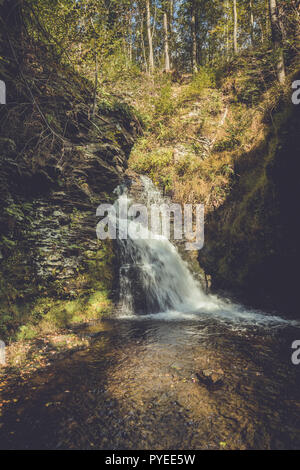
<point x="146" y="383"/>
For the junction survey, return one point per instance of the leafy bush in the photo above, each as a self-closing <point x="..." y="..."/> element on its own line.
<point x="164" y="104"/>
<point x="116" y="68"/>
<point x="156" y="164"/>
<point x="26" y="332"/>
<point x="203" y="79"/>
<point x="151" y="163"/>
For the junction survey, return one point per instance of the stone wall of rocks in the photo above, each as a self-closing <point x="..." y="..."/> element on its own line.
<point x="48" y="224"/>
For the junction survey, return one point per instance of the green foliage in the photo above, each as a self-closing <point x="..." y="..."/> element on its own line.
<point x="6" y="320"/>
<point x="248" y="76"/>
<point x="203" y="79"/>
<point x="156" y="165"/>
<point x="182" y="167"/>
<point x="235" y="131"/>
<point x="7" y="243"/>
<point x="117" y="68"/>
<point x="26" y="332"/>
<point x="15" y="211"/>
<point x="153" y="162"/>
<point x="25" y="312"/>
<point x="164" y="104"/>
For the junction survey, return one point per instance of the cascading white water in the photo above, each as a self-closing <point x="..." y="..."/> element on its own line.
<point x="154" y="279"/>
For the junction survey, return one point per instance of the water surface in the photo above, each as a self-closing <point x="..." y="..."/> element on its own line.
<point x="140" y="386"/>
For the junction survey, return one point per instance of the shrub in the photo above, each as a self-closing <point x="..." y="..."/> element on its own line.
<point x="203" y="79"/>
<point x="153" y="161"/>
<point x="164" y="104"/>
<point x="26" y="332"/>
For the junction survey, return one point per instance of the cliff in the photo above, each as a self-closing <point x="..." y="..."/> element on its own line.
<point x="58" y="161"/>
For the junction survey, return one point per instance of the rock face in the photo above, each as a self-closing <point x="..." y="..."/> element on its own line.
<point x="53" y="177"/>
<point x="252" y="241"/>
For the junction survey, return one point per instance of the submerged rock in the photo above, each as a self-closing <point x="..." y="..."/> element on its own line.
<point x="211" y="379"/>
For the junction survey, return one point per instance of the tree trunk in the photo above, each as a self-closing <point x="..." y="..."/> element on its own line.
<point x="150" y="38"/>
<point x="171" y="15"/>
<point x="171" y="28"/>
<point x="251" y="22"/>
<point x="235" y="27"/>
<point x="277" y="41"/>
<point x="262" y="37"/>
<point x="227" y="28"/>
<point x="268" y="26"/>
<point x="194" y="38"/>
<point x="166" y="41"/>
<point x="143" y="42"/>
<point x="130" y="36"/>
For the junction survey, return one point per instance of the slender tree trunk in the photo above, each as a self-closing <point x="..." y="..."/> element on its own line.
<point x="143" y="41"/>
<point x="166" y="41"/>
<point x="277" y="41"/>
<point x="130" y="36"/>
<point x="171" y="26"/>
<point x="194" y="38"/>
<point x="130" y="51"/>
<point x="235" y="27"/>
<point x="199" y="51"/>
<point x="268" y="25"/>
<point x="171" y="15"/>
<point x="262" y="33"/>
<point x="251" y="22"/>
<point x="227" y="28"/>
<point x="150" y="38"/>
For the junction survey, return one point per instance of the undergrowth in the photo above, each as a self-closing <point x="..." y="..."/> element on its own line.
<point x="197" y="131"/>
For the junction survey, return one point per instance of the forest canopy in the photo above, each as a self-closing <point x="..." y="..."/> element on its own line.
<point x="104" y="38"/>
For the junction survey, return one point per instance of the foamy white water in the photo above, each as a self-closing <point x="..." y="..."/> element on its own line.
<point x="155" y="282"/>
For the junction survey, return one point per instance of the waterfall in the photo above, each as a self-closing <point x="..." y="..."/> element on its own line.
<point x="153" y="277"/>
<point x="156" y="281"/>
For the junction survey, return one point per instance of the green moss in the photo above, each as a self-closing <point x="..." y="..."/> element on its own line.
<point x="30" y="310"/>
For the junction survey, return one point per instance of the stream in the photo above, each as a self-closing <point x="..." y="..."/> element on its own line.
<point x="175" y="368"/>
